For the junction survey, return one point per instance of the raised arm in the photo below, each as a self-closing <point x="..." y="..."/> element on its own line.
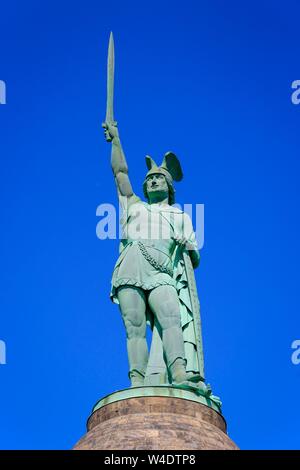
<point x="118" y="161"/>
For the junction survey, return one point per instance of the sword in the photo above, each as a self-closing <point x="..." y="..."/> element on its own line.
<point x="109" y="118"/>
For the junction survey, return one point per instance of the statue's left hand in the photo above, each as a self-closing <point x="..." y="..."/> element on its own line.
<point x="183" y="242"/>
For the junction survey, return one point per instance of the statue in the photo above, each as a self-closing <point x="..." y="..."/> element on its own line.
<point x="153" y="280"/>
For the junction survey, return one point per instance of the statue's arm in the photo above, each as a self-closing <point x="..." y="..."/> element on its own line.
<point x="195" y="257"/>
<point x="118" y="162"/>
<point x="191" y="242"/>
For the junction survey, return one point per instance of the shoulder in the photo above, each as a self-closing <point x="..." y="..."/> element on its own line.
<point x="134" y="199"/>
<point x="186" y="216"/>
<point x="172" y="209"/>
<point x="129" y="201"/>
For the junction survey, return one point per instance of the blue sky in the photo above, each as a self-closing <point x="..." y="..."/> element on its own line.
<point x="210" y="81"/>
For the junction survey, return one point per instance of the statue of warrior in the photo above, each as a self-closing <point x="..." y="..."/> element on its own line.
<point x="153" y="279"/>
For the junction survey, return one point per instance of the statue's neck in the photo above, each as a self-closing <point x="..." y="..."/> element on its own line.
<point x="159" y="201"/>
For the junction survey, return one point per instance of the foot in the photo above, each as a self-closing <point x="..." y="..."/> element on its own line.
<point x="178" y="372"/>
<point x="201" y="388"/>
<point x="204" y="389"/>
<point x="193" y="377"/>
<point x="136" y="378"/>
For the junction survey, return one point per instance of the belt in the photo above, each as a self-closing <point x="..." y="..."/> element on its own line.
<point x="152" y="261"/>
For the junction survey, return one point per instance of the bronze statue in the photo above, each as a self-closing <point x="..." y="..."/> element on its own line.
<point x="153" y="279"/>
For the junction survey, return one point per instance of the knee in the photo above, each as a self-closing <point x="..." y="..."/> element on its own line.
<point x="135" y="322"/>
<point x="135" y="331"/>
<point x="171" y="322"/>
<point x="169" y="317"/>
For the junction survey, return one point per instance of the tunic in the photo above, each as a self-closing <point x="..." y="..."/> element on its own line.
<point x="155" y="226"/>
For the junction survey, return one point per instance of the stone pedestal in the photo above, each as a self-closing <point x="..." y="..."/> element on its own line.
<point x="155" y="418"/>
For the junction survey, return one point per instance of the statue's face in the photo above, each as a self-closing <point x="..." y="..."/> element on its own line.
<point x="156" y="185"/>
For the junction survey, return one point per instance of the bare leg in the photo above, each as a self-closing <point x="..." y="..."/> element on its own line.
<point x="133" y="308"/>
<point x="164" y="303"/>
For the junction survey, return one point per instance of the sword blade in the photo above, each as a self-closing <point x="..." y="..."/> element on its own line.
<point x="110" y="81"/>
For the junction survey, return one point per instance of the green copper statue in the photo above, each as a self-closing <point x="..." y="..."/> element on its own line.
<point x="153" y="280"/>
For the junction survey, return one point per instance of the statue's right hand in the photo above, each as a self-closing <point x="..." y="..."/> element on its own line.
<point x="110" y="131"/>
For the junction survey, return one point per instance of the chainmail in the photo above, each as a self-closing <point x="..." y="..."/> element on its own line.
<point x="152" y="261"/>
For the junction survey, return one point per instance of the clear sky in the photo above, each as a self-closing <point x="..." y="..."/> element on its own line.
<point x="210" y="80"/>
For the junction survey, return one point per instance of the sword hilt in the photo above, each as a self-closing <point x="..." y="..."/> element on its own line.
<point x="106" y="126"/>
